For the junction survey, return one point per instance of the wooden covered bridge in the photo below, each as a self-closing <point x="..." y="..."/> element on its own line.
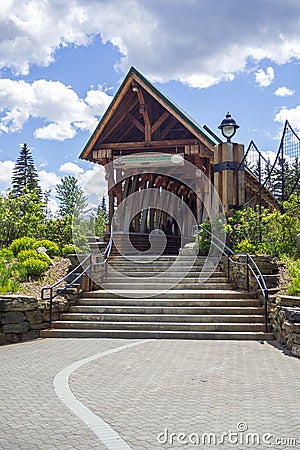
<point x="150" y="147"/>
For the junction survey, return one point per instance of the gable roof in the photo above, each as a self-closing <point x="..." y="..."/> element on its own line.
<point x="203" y="134"/>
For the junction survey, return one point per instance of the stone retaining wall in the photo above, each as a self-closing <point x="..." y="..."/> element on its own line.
<point x="284" y="311"/>
<point x="22" y="317"/>
<point x="285" y="320"/>
<point x="238" y="271"/>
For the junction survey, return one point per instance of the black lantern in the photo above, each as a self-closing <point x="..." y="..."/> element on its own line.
<point x="228" y="127"/>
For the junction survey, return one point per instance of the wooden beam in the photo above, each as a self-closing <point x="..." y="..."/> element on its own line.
<point x="135" y="122"/>
<point x="168" y="127"/>
<point x="160" y="121"/>
<point x="144" y="112"/>
<point x="143" y="145"/>
<point x="186" y="124"/>
<point x="161" y="181"/>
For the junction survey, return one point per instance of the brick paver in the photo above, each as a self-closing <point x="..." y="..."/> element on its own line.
<point x="190" y="387"/>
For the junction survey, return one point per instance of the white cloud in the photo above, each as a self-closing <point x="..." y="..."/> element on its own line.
<point x="283" y="91"/>
<point x="292" y="115"/>
<point x="6" y="169"/>
<point x="93" y="183"/>
<point x="163" y="46"/>
<point x="53" y="102"/>
<point x="268" y="155"/>
<point x="71" y="168"/>
<point x="52" y="206"/>
<point x="92" y="180"/>
<point x="264" y="78"/>
<point x="48" y="180"/>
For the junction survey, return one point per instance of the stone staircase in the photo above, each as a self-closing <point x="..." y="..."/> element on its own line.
<point x="138" y="301"/>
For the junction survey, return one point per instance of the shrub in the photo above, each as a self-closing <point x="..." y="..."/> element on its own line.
<point x="23" y="243"/>
<point x="7" y="283"/>
<point x="26" y="254"/>
<point x="293" y="268"/>
<point x="51" y="247"/>
<point x="44" y="257"/>
<point x="6" y="255"/>
<point x="34" y="268"/>
<point x="202" y="242"/>
<point x="58" y="230"/>
<point x="68" y="249"/>
<point x="246" y="247"/>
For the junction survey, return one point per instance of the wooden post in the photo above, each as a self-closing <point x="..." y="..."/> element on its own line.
<point x="227" y="181"/>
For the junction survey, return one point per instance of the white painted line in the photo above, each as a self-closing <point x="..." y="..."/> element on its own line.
<point x="110" y="438"/>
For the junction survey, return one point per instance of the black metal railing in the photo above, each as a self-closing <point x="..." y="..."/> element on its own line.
<point x="251" y="267"/>
<point x="54" y="289"/>
<point x="281" y="177"/>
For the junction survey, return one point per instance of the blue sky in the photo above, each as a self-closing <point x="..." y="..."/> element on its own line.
<point x="62" y="61"/>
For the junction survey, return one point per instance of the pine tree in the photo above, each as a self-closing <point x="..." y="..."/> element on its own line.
<point x="25" y="177"/>
<point x="101" y="219"/>
<point x="71" y="197"/>
<point x="291" y="178"/>
<point x="103" y="204"/>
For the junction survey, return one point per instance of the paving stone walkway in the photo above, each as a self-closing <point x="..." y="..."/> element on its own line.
<point x="158" y="394"/>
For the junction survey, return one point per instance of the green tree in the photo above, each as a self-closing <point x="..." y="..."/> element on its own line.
<point x="291" y="177"/>
<point x="25" y="177"/>
<point x="71" y="197"/>
<point x="103" y="204"/>
<point x="101" y="220"/>
<point x="20" y="216"/>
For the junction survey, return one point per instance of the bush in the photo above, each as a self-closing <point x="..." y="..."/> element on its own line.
<point x="51" y="247"/>
<point x="246" y="247"/>
<point x="26" y="254"/>
<point x="7" y="283"/>
<point x="58" y="230"/>
<point x="34" y="268"/>
<point x="23" y="243"/>
<point x="6" y="255"/>
<point x="202" y="242"/>
<point x="293" y="268"/>
<point x="68" y="249"/>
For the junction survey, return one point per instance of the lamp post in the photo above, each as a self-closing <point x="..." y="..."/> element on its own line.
<point x="228" y="127"/>
<point x="229" y="177"/>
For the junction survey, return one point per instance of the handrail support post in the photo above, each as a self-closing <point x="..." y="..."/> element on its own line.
<point x="228" y="269"/>
<point x="266" y="311"/>
<point x="247" y="275"/>
<point x="51" y="307"/>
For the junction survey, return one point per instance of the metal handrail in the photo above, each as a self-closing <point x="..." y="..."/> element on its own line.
<point x="88" y="270"/>
<point x="251" y="267"/>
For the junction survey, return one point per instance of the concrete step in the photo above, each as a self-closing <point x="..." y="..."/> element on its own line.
<point x="150" y="278"/>
<point x="175" y="306"/>
<point x="157" y="326"/>
<point x="168" y="310"/>
<point x="175" y="263"/>
<point x="166" y="261"/>
<point x="165" y="258"/>
<point x="175" y="294"/>
<point x="169" y="302"/>
<point x="167" y="286"/>
<point x="148" y="274"/>
<point x="146" y="334"/>
<point x="182" y="318"/>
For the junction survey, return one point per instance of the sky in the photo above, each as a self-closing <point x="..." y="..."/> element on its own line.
<point x="62" y="61"/>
